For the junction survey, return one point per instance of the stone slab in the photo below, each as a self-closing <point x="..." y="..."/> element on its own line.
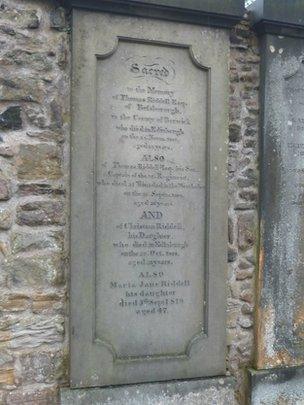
<point x="219" y="391"/>
<point x="216" y="12"/>
<point x="280" y="309"/>
<point x="281" y="17"/>
<point x="149" y="152"/>
<point x="277" y="386"/>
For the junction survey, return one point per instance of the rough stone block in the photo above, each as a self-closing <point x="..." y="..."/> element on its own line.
<point x="11" y="118"/>
<point x="21" y="88"/>
<point x="28" y="241"/>
<point x="57" y="19"/>
<point x="7" y="377"/>
<point x="40" y="189"/>
<point x="5" y="190"/>
<point x="41" y="367"/>
<point x="246" y="229"/>
<point x="21" y="331"/>
<point x="6" y="218"/>
<point x="46" y="135"/>
<point x="41" y="213"/>
<point x="41" y="161"/>
<point x="35" y="271"/>
<point x="39" y="61"/>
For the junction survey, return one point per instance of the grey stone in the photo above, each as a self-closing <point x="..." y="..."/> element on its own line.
<point x="234" y="133"/>
<point x="246" y="229"/>
<point x="11" y="118"/>
<point x="277" y="386"/>
<point x="58" y="20"/>
<point x="37" y="213"/>
<point x="35" y="271"/>
<point x="29" y="241"/>
<point x="147" y="267"/>
<point x="216" y="12"/>
<point x="282" y="204"/>
<point x="6" y="218"/>
<point x="219" y="391"/>
<point x="39" y="161"/>
<point x="279" y="11"/>
<point x="5" y="189"/>
<point x="21" y="88"/>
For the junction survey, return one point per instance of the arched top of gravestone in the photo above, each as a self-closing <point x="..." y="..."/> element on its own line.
<point x="217" y="13"/>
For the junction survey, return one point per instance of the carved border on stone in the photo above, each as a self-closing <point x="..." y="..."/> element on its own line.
<point x="204" y="333"/>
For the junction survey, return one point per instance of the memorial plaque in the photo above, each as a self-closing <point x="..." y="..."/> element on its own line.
<point x="148" y="200"/>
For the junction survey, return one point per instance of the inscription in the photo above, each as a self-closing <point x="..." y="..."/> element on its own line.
<point x="151" y="185"/>
<point x="157" y="68"/>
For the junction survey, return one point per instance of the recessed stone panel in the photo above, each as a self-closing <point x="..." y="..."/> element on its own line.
<point x="148" y="200"/>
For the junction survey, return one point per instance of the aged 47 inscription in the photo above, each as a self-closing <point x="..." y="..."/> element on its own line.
<point x="151" y="195"/>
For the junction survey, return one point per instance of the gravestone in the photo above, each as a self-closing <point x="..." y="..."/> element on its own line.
<point x="280" y="306"/>
<point x="148" y="195"/>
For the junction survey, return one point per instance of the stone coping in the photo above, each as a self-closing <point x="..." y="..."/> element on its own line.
<point x="218" y="13"/>
<point x="278" y="17"/>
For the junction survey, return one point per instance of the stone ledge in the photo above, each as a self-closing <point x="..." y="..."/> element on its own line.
<point x="195" y="392"/>
<point x="278" y="17"/>
<point x="274" y="385"/>
<point x="217" y="13"/>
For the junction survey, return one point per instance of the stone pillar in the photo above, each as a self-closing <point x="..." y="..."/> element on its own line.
<point x="280" y="283"/>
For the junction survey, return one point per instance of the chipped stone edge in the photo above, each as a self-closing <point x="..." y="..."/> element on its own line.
<point x="278" y="384"/>
<point x="157" y="393"/>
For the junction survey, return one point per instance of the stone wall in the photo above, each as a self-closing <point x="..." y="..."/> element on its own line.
<point x="243" y="199"/>
<point x="34" y="214"/>
<point x="34" y="178"/>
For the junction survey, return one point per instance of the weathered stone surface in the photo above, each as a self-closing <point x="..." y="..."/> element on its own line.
<point x="29" y="241"/>
<point x="217" y="391"/>
<point x="11" y="118"/>
<point x="34" y="73"/>
<point x="281" y="386"/>
<point x="49" y="304"/>
<point x="234" y="133"/>
<point x="6" y="218"/>
<point x="6" y="151"/>
<point x="46" y="136"/>
<point x="40" y="61"/>
<point x="35" y="271"/>
<point x="38" y="395"/>
<point x="14" y="302"/>
<point x="36" y="115"/>
<point x="20" y="18"/>
<point x="58" y="19"/>
<point x="246" y="230"/>
<point x="7" y="376"/>
<point x="42" y="367"/>
<point x="40" y="161"/>
<point x="5" y="189"/>
<point x="21" y="331"/>
<point x="280" y="309"/>
<point x="41" y="189"/>
<point x="41" y="213"/>
<point x="126" y="176"/>
<point x="21" y="88"/>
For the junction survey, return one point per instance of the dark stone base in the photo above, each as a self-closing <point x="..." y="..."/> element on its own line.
<point x="218" y="391"/>
<point x="276" y="386"/>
